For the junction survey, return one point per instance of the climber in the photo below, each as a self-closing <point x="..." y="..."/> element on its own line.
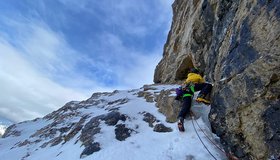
<point x="193" y="83"/>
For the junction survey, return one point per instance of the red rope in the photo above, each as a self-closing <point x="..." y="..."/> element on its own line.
<point x="230" y="156"/>
<point x="202" y="141"/>
<point x="209" y="138"/>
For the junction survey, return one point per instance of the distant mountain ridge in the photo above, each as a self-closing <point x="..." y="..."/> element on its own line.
<point x="5" y="121"/>
<point x="129" y="124"/>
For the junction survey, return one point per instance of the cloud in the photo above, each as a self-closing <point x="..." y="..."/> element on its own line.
<point x="130" y="67"/>
<point x="52" y="53"/>
<point x="142" y="71"/>
<point x="26" y="93"/>
<point x="49" y="53"/>
<point x="138" y="20"/>
<point x="38" y="73"/>
<point x="131" y="17"/>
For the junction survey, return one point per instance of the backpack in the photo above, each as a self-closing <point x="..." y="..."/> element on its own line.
<point x="179" y="91"/>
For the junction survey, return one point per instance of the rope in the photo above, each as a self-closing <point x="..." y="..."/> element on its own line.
<point x="227" y="154"/>
<point x="209" y="138"/>
<point x="202" y="141"/>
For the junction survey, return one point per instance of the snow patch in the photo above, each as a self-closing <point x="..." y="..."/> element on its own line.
<point x="2" y="130"/>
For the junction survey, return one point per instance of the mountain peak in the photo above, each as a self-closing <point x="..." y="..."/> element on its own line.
<point x="117" y="125"/>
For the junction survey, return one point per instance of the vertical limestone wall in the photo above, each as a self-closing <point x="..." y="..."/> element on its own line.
<point x="237" y="46"/>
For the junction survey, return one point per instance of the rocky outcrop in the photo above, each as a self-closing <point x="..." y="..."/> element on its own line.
<point x="162" y="128"/>
<point x="11" y="131"/>
<point x="151" y="119"/>
<point x="122" y="132"/>
<point x="236" y="44"/>
<point x="92" y="128"/>
<point x="167" y="105"/>
<point x="164" y="101"/>
<point x="106" y="122"/>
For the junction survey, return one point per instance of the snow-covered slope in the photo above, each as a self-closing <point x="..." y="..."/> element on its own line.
<point x="107" y="126"/>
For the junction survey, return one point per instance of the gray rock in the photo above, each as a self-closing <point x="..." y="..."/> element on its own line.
<point x="147" y="95"/>
<point x="11" y="131"/>
<point x="89" y="130"/>
<point x="112" y="118"/>
<point x="55" y="141"/>
<point x="272" y="128"/>
<point x="75" y="129"/>
<point x="94" y="147"/>
<point x="190" y="157"/>
<point x="92" y="128"/>
<point x="87" y="136"/>
<point x="118" y="102"/>
<point x="149" y="118"/>
<point x="122" y="132"/>
<point x="168" y="105"/>
<point x="162" y="128"/>
<point x="25" y="142"/>
<point x="236" y="45"/>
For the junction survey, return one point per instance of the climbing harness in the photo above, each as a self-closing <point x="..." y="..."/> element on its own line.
<point x="190" y="91"/>
<point x="227" y="154"/>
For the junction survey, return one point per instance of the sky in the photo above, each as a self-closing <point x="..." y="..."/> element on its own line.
<point x="56" y="51"/>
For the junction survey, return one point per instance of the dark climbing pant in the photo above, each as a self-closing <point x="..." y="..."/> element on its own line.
<point x="204" y="88"/>
<point x="186" y="107"/>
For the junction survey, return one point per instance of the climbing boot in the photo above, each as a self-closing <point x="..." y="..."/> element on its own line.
<point x="203" y="98"/>
<point x="181" y="124"/>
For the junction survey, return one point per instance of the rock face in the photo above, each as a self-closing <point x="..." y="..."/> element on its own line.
<point x="167" y="105"/>
<point x="236" y="44"/>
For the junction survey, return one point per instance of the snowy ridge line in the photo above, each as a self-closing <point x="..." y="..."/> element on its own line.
<point x="118" y="125"/>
